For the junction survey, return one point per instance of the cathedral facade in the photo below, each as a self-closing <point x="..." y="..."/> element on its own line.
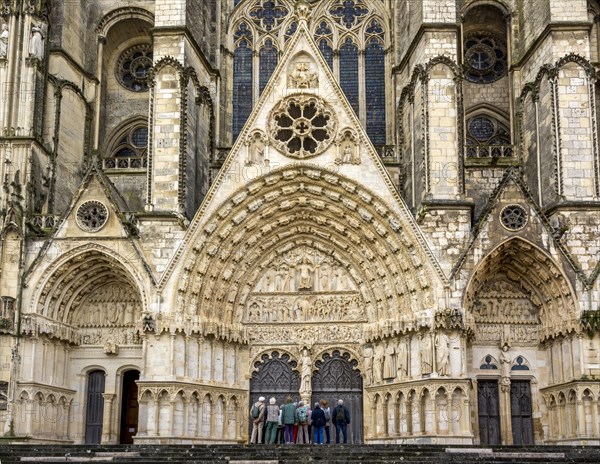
<point x="391" y="202"/>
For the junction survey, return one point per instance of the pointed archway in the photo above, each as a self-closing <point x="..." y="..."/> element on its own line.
<point x="517" y="303"/>
<point x="336" y="377"/>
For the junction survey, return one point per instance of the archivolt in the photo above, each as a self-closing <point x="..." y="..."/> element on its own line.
<point x="77" y="276"/>
<point x="294" y="207"/>
<point x="538" y="276"/>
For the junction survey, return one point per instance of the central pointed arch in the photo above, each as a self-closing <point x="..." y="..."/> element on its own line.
<point x="297" y="206"/>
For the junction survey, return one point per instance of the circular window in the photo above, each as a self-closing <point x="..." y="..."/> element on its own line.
<point x="302" y="126"/>
<point x="485" y="58"/>
<point x="92" y="216"/>
<point x="513" y="217"/>
<point x="133" y="67"/>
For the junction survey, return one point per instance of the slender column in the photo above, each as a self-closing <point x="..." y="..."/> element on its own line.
<point x="156" y="416"/>
<point x="171" y="417"/>
<point x="595" y="423"/>
<point x="107" y="432"/>
<point x="186" y="412"/>
<point x="505" y="413"/>
<point x="172" y="348"/>
<point x="580" y="432"/>
<point x="100" y="58"/>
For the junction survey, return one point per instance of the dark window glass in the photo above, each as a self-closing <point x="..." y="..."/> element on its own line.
<point x="268" y="62"/>
<point x="242" y="86"/>
<point x="349" y="72"/>
<point x="375" y="88"/>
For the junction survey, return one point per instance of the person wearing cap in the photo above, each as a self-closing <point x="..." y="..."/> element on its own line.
<point x="258" y="422"/>
<point x="272" y="421"/>
<point x="318" y="424"/>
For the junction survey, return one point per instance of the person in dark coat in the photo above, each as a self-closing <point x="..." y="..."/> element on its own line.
<point x="341" y="418"/>
<point x="317" y="418"/>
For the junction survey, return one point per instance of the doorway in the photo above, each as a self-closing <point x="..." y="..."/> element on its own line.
<point x="94" y="413"/>
<point x="520" y="412"/>
<point x="129" y="407"/>
<point x="337" y="378"/>
<point x="489" y="412"/>
<point x="275" y="376"/>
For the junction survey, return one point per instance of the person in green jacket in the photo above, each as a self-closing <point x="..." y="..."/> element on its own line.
<point x="288" y="419"/>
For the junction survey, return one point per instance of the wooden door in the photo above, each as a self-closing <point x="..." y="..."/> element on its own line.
<point x="520" y="411"/>
<point x="337" y="378"/>
<point x="489" y="412"/>
<point x="129" y="407"/>
<point x="94" y="408"/>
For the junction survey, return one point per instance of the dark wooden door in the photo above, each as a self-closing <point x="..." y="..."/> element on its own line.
<point x="94" y="408"/>
<point x="489" y="412"/>
<point x="520" y="411"/>
<point x="275" y="376"/>
<point x="129" y="407"/>
<point x="336" y="378"/>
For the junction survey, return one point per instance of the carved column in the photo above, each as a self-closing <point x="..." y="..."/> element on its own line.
<point x="505" y="412"/>
<point x="107" y="432"/>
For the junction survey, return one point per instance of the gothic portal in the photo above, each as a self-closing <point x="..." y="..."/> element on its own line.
<point x="393" y="203"/>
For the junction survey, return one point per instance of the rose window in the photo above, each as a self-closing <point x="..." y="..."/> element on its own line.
<point x="133" y="67"/>
<point x="302" y="127"/>
<point x="91" y="216"/>
<point x="513" y="217"/>
<point x="485" y="58"/>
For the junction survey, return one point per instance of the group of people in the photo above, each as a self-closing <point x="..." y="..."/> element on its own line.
<point x="295" y="422"/>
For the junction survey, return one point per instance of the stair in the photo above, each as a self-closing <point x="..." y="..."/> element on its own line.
<point x="296" y="454"/>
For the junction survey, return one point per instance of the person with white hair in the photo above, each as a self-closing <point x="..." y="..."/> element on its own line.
<point x="257" y="414"/>
<point x="272" y="421"/>
<point x="341" y="419"/>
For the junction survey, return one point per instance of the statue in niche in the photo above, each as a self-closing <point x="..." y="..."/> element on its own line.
<point x="254" y="313"/>
<point x="389" y="370"/>
<point x="402" y="359"/>
<point x="36" y="43"/>
<point x="306" y="374"/>
<point x="4" y="42"/>
<point x="302" y="78"/>
<point x="368" y="363"/>
<point x="268" y="281"/>
<point x="348" y="153"/>
<point x="426" y="355"/>
<point x="305" y="277"/>
<point x="303" y="308"/>
<point x="378" y="364"/>
<point x="256" y="147"/>
<point x="442" y="354"/>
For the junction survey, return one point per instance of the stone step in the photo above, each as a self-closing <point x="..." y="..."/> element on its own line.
<point x="296" y="454"/>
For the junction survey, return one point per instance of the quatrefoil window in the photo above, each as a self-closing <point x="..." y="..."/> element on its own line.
<point x="513" y="217"/>
<point x="92" y="216"/>
<point x="302" y="126"/>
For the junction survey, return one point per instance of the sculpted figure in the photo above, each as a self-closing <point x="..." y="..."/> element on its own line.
<point x="305" y="384"/>
<point x="4" y="41"/>
<point x="368" y="366"/>
<point x="402" y="359"/>
<point x="426" y="355"/>
<point x="378" y="364"/>
<point x="505" y="361"/>
<point x="442" y="354"/>
<point x="389" y="370"/>
<point x="302" y="78"/>
<point x="36" y="44"/>
<point x="305" y="277"/>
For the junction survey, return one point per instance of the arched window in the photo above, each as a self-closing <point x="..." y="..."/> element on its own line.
<point x="268" y="61"/>
<point x="128" y="148"/>
<point x="349" y="72"/>
<point x="487" y="137"/>
<point x="242" y="77"/>
<point x="350" y="35"/>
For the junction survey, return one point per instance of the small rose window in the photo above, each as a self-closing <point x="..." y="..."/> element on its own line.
<point x="302" y="126"/>
<point x="513" y="217"/>
<point x="92" y="216"/>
